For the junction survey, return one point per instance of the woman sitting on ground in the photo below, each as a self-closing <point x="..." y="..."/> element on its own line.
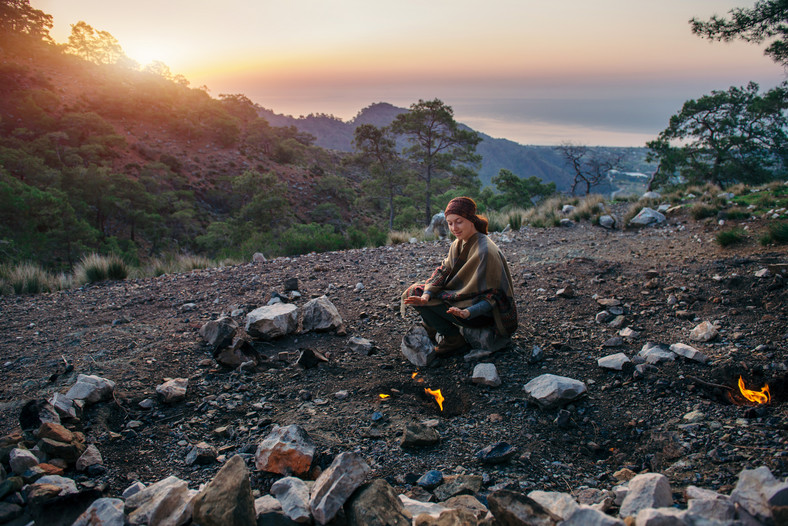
<point x="471" y="288"/>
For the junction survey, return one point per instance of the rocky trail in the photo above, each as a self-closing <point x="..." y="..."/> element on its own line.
<point x="584" y="293"/>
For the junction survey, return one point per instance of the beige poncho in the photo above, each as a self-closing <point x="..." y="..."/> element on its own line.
<point x="472" y="271"/>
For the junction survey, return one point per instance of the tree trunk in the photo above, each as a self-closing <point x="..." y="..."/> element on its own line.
<point x="429" y="190"/>
<point x="391" y="210"/>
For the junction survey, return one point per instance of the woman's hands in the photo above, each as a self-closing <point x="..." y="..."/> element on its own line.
<point x="460" y="313"/>
<point x="417" y="300"/>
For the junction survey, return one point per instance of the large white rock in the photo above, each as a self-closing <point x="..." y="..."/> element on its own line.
<point x="173" y="390"/>
<point x="336" y="484"/>
<point x="102" y="512"/>
<point x="417" y="507"/>
<point x="662" y="517"/>
<point x="689" y="352"/>
<point x="486" y="374"/>
<point x="417" y="347"/>
<point x="704" y="332"/>
<point x="91" y="389"/>
<point x="320" y="314"/>
<point x="655" y="354"/>
<point x="21" y="460"/>
<point x="286" y="450"/>
<point x="588" y="516"/>
<point x="649" y="490"/>
<point x="614" y="362"/>
<point x="219" y="333"/>
<point x="711" y="509"/>
<point x="549" y="390"/>
<point x="757" y="491"/>
<point x="293" y="494"/>
<point x="272" y="321"/>
<point x="91" y="457"/>
<point x="647" y="216"/>
<point x="66" y="485"/>
<point x="168" y="501"/>
<point x="562" y="505"/>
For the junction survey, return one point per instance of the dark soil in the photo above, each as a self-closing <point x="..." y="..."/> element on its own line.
<point x="138" y="332"/>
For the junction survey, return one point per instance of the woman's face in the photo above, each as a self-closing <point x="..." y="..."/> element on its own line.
<point x="461" y="227"/>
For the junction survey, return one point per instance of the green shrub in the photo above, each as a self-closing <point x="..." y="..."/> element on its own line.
<point x="701" y="211"/>
<point x="496" y="222"/>
<point x="28" y="278"/>
<point x="737" y="214"/>
<point x="776" y="233"/>
<point x="516" y="220"/>
<point x="312" y="237"/>
<point x="730" y="237"/>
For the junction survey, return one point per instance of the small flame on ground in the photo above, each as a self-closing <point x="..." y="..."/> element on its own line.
<point x="438" y="396"/>
<point x="384" y="396"/>
<point x="759" y="397"/>
<point x="414" y="375"/>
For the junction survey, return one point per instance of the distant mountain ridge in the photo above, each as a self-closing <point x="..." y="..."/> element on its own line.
<point x="543" y="162"/>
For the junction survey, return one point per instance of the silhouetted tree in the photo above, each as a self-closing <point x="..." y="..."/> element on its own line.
<point x="19" y="17"/>
<point x="99" y="47"/>
<point x="589" y="166"/>
<point x="517" y="191"/>
<point x="438" y="142"/>
<point x="766" y="20"/>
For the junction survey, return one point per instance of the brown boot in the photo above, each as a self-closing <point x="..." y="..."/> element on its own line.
<point x="431" y="332"/>
<point x="450" y="345"/>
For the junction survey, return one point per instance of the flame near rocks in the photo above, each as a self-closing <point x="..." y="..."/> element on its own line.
<point x="759" y="397"/>
<point x="438" y="396"/>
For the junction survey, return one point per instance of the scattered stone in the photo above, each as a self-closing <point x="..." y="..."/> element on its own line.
<point x="438" y="226"/>
<point x="37" y="412"/>
<point x="567" y="292"/>
<point x="615" y="341"/>
<point x="617" y="322"/>
<point x="704" y="332"/>
<point x="103" y="512"/>
<point x="417" y="347"/>
<point x="608" y="302"/>
<point x="624" y="475"/>
<point x="321" y="315"/>
<point x="272" y="321"/>
<point x="258" y="258"/>
<point x="227" y="499"/>
<point x="293" y="495"/>
<point x="173" y="390"/>
<point x="661" y="517"/>
<point x="511" y="508"/>
<point x="238" y="353"/>
<point x="647" y="216"/>
<point x="165" y="502"/>
<point x="458" y="485"/>
<point x="537" y="354"/>
<point x="133" y="489"/>
<point x="486" y="374"/>
<point x="629" y="333"/>
<point x="360" y="345"/>
<point x="614" y="362"/>
<point x="219" y="333"/>
<point x="711" y="509"/>
<point x="431" y="479"/>
<point x="21" y="460"/>
<point x="467" y="503"/>
<point x="65" y="406"/>
<point x="566" y="223"/>
<point x="567" y="209"/>
<point x="607" y="221"/>
<point x="588" y="516"/>
<point x="561" y="505"/>
<point x="497" y="453"/>
<point x="655" y="354"/>
<point x="689" y="352"/>
<point x="648" y="490"/>
<point x="551" y="391"/>
<point x="417" y="435"/>
<point x="336" y="484"/>
<point x="69" y="452"/>
<point x="603" y="317"/>
<point x="66" y="485"/>
<point x="759" y="493"/>
<point x="286" y="450"/>
<point x="376" y="503"/>
<point x="290" y="284"/>
<point x="202" y="453"/>
<point x="91" y="457"/>
<point x="417" y="508"/>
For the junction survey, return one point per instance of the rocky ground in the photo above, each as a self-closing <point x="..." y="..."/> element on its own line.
<point x="676" y="418"/>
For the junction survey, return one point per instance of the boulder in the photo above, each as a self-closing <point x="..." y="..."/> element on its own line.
<point x="704" y="332"/>
<point x="320" y="315"/>
<point x="655" y="354"/>
<point x="91" y="389"/>
<point x="202" y="453"/>
<point x="21" y="460"/>
<point x="510" y="508"/>
<point x="103" y="512"/>
<point x="360" y="345"/>
<point x="286" y="450"/>
<point x="588" y="516"/>
<point x="336" y="484"/>
<point x="293" y="495"/>
<point x="561" y="505"/>
<point x="497" y="453"/>
<point x="219" y="333"/>
<point x="417" y="507"/>
<point x="486" y="374"/>
<point x="648" y="490"/>
<point x="91" y="457"/>
<point x="258" y="257"/>
<point x="662" y="517"/>
<point x="227" y="499"/>
<point x="614" y="362"/>
<point x="711" y="509"/>
<point x="689" y="352"/>
<point x="758" y="492"/>
<point x="168" y="501"/>
<point x="66" y="407"/>
<point x="173" y="390"/>
<point x="607" y="221"/>
<point x="417" y="347"/>
<point x="272" y="321"/>
<point x="376" y="503"/>
<point x="458" y="485"/>
<point x="416" y="435"/>
<point x="239" y="352"/>
<point x="647" y="216"/>
<point x="438" y="226"/>
<point x="551" y="391"/>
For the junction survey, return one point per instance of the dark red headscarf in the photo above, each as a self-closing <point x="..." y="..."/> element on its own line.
<point x="466" y="207"/>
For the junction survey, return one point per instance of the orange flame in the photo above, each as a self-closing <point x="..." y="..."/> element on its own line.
<point x="759" y="397"/>
<point x="414" y="374"/>
<point x="384" y="396"/>
<point x="438" y="396"/>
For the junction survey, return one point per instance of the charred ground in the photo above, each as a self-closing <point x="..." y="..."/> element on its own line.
<point x="137" y="333"/>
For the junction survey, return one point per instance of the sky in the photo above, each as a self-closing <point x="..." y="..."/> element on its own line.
<point x="603" y="72"/>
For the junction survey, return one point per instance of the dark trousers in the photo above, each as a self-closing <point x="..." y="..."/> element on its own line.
<point x="447" y="324"/>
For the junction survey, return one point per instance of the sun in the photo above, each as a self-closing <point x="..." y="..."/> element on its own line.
<point x="146" y="52"/>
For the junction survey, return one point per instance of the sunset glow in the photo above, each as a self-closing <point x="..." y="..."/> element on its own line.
<point x="312" y="56"/>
